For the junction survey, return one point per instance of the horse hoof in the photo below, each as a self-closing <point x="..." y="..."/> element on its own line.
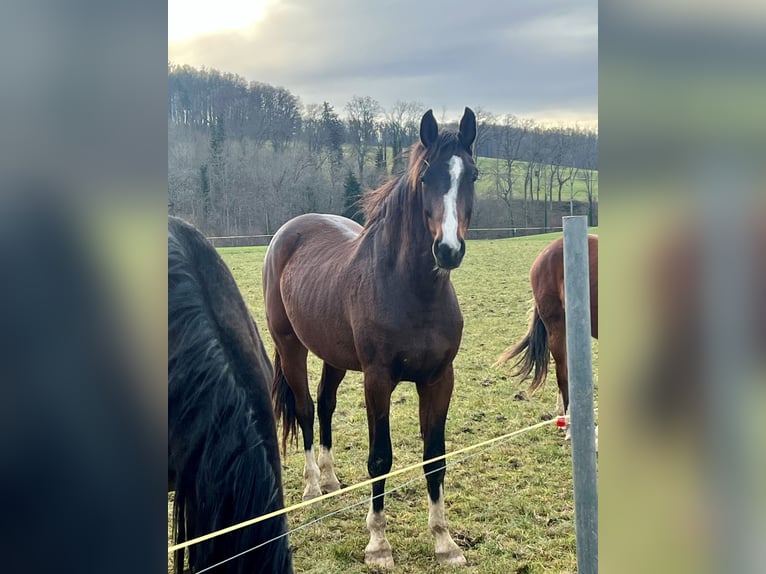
<point x="310" y="493"/>
<point x="379" y="558"/>
<point x="451" y="558"/>
<point x="330" y="487"/>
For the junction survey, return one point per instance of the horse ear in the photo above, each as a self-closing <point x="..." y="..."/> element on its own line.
<point x="429" y="131"/>
<point x="467" y="133"/>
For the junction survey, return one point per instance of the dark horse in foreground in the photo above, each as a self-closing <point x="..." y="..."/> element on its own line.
<point x="379" y="300"/>
<point x="547" y="329"/>
<point x="223" y="456"/>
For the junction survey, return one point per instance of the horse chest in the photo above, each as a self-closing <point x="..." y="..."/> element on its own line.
<point x="416" y="362"/>
<point x="412" y="345"/>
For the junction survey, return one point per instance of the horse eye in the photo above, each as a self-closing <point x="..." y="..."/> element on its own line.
<point x="475" y="176"/>
<point x="428" y="213"/>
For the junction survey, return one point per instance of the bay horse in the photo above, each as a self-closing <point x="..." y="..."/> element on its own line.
<point x="377" y="299"/>
<point x="223" y="454"/>
<point x="547" y="329"/>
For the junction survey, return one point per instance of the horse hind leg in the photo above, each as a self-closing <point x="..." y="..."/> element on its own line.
<point x="294" y="355"/>
<point x="558" y="347"/>
<point x="328" y="390"/>
<point x="291" y="360"/>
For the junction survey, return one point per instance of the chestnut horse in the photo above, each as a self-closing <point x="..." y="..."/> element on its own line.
<point x="547" y="329"/>
<point x="377" y="299"/>
<point x="223" y="456"/>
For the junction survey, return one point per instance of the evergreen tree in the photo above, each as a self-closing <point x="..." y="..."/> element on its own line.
<point x="204" y="188"/>
<point x="217" y="139"/>
<point x="352" y="191"/>
<point x="332" y="133"/>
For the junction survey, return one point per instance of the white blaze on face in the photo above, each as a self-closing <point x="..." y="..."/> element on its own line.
<point x="449" y="223"/>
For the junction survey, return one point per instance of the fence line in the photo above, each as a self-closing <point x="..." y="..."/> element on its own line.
<point x="367" y="500"/>
<point x="263" y="239"/>
<point x="550" y="228"/>
<point x="356" y="486"/>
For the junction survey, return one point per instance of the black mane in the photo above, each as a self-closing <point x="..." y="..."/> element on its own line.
<point x="397" y="200"/>
<point x="222" y="452"/>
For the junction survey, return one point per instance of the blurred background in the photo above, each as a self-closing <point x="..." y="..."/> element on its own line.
<point x="82" y="298"/>
<point x="683" y="286"/>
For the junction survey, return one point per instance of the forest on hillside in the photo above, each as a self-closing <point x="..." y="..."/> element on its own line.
<point x="244" y="157"/>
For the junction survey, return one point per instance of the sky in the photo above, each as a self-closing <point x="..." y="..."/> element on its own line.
<point x="532" y="58"/>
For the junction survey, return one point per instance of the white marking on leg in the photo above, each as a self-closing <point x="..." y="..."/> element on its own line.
<point x="378" y="550"/>
<point x="328" y="482"/>
<point x="568" y="427"/>
<point x="447" y="552"/>
<point x="449" y="221"/>
<point x="560" y="404"/>
<point x="311" y="474"/>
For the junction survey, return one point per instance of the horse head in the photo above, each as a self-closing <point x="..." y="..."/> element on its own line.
<point x="446" y="184"/>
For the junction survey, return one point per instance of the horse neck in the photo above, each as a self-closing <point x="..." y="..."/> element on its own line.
<point x="402" y="246"/>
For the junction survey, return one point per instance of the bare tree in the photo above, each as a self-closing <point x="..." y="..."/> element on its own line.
<point x="510" y="135"/>
<point x="363" y="113"/>
<point x="402" y="127"/>
<point x="312" y="127"/>
<point x="283" y="112"/>
<point x="586" y="157"/>
<point x="485" y="121"/>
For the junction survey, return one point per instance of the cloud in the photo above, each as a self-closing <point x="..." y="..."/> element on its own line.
<point x="523" y="57"/>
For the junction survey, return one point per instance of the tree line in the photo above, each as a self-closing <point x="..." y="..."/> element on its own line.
<point x="244" y="157"/>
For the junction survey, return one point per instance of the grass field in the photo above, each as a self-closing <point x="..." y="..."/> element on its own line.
<point x="511" y="508"/>
<point x="485" y="186"/>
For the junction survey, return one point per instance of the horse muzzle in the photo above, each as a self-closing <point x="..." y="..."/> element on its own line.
<point x="446" y="256"/>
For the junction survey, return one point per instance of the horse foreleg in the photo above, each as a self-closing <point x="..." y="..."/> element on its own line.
<point x="434" y="402"/>
<point x="328" y="389"/>
<point x="377" y="394"/>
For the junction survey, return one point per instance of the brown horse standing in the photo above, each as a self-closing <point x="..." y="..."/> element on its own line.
<point x="379" y="300"/>
<point x="547" y="330"/>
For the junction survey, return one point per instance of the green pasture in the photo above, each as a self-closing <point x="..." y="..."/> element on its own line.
<point x="511" y="508"/>
<point x="486" y="184"/>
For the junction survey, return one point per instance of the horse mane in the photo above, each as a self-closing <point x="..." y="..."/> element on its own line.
<point x="221" y="431"/>
<point x="391" y="203"/>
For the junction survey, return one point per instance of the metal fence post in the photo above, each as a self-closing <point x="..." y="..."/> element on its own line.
<point x="580" y="365"/>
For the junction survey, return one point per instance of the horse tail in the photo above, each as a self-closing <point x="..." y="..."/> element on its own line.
<point x="283" y="398"/>
<point x="534" y="352"/>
